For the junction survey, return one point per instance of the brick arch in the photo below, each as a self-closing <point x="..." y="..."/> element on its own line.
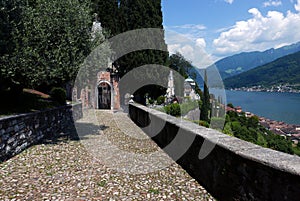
<point x="105" y="98"/>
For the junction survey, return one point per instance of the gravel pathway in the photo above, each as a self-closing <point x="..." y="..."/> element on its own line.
<point x="90" y="169"/>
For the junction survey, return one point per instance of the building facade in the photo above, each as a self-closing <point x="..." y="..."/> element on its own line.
<point x="107" y="91"/>
<point x="104" y="95"/>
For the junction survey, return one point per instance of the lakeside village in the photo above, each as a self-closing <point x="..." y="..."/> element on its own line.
<point x="290" y="131"/>
<point x="279" y="88"/>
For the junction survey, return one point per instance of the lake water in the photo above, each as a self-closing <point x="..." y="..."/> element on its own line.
<point x="276" y="106"/>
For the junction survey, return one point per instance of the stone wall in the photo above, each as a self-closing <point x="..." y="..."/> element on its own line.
<point x="21" y="131"/>
<point x="234" y="169"/>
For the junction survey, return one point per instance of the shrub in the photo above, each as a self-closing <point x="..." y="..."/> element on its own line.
<point x="59" y="95"/>
<point x="151" y="101"/>
<point x="188" y="106"/>
<point x="173" y="109"/>
<point x="160" y="100"/>
<point x="202" y="123"/>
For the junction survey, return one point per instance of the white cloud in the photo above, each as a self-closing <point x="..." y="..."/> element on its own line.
<point x="229" y="1"/>
<point x="272" y="3"/>
<point x="190" y="31"/>
<point x="184" y="49"/>
<point x="297" y="6"/>
<point x="187" y="50"/>
<point x="190" y="26"/>
<point x="200" y="42"/>
<point x="192" y="49"/>
<point x="260" y="32"/>
<point x="173" y="48"/>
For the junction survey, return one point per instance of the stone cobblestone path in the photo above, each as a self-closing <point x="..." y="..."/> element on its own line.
<point x="85" y="169"/>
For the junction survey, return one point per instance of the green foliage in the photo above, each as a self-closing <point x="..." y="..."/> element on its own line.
<point x="49" y="40"/>
<point x="206" y="107"/>
<point x="107" y="11"/>
<point x="176" y="109"/>
<point x="151" y="101"/>
<point x="243" y="62"/>
<point x="120" y="16"/>
<point x="59" y="95"/>
<point x="296" y="149"/>
<point x="217" y="123"/>
<point x="227" y="129"/>
<point x="173" y="109"/>
<point x="188" y="106"/>
<point x="203" y="123"/>
<point x="253" y="121"/>
<point x="180" y="64"/>
<point x="102" y="183"/>
<point x="261" y="140"/>
<point x="160" y="100"/>
<point x="284" y="71"/>
<point x="133" y="15"/>
<point x="279" y="143"/>
<point x="185" y="69"/>
<point x="248" y="129"/>
<point x="154" y="191"/>
<point x="230" y="105"/>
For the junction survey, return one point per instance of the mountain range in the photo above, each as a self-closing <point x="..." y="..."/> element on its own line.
<point x="245" y="61"/>
<point x="282" y="71"/>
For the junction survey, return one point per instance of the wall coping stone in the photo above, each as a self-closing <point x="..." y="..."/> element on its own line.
<point x="268" y="157"/>
<point x="14" y="116"/>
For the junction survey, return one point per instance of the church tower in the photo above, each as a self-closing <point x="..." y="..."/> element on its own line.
<point x="171" y="88"/>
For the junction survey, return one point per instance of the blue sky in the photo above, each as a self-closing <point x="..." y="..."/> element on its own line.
<point x="227" y="27"/>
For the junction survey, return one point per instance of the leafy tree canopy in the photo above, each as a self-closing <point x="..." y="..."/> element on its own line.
<point x="48" y="40"/>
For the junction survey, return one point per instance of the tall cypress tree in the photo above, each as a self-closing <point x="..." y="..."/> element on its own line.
<point x="204" y="114"/>
<point x="108" y="13"/>
<point x="143" y="14"/>
<point x="119" y="16"/>
<point x="140" y="14"/>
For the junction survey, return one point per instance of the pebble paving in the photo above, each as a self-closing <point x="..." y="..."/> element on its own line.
<point x="103" y="165"/>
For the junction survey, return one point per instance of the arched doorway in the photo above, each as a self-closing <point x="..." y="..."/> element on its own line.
<point x="104" y="96"/>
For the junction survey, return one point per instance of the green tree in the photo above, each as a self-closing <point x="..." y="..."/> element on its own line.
<point x="52" y="39"/>
<point x="261" y="140"/>
<point x="137" y="14"/>
<point x="108" y="12"/>
<point x="253" y="122"/>
<point x="204" y="114"/>
<point x="227" y="129"/>
<point x="118" y="16"/>
<point x="230" y="105"/>
<point x="184" y="67"/>
<point x="173" y="109"/>
<point x="279" y="143"/>
<point x="248" y="129"/>
<point x="10" y="17"/>
<point x="180" y="64"/>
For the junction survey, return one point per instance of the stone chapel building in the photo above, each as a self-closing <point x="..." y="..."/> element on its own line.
<point x="105" y="95"/>
<point x="107" y="91"/>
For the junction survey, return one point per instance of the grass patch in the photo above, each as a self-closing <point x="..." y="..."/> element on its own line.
<point x="296" y="150"/>
<point x="102" y="183"/>
<point x="154" y="191"/>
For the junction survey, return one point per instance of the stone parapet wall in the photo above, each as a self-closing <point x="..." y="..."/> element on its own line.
<point x="18" y="132"/>
<point x="234" y="169"/>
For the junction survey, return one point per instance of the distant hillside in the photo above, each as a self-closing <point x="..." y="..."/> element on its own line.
<point x="245" y="61"/>
<point x="285" y="70"/>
